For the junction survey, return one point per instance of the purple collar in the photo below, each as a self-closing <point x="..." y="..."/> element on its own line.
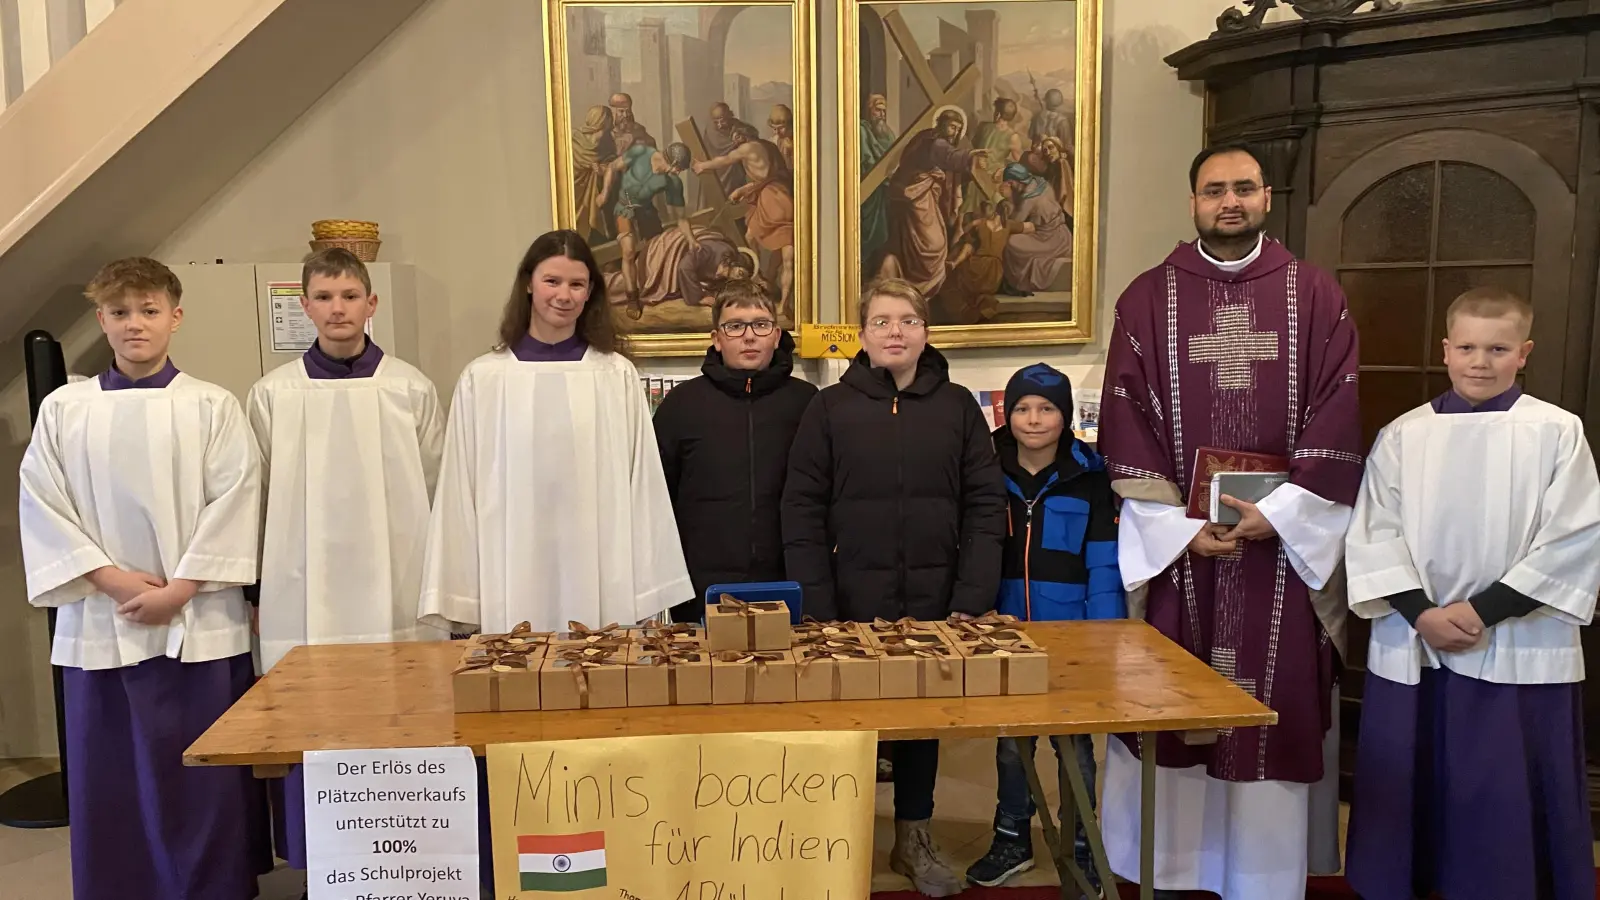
<point x="113" y="380"/>
<point x="530" y="349"/>
<point x="321" y="366"/>
<point x="1451" y="402"/>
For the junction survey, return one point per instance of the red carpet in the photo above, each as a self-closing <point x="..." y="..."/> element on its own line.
<point x="1316" y="889"/>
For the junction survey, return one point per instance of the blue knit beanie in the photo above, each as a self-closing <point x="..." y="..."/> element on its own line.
<point x="1044" y="381"/>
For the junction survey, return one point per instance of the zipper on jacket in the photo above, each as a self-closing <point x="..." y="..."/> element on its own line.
<point x="900" y="504"/>
<point x="750" y="436"/>
<point x="747" y="384"/>
<point x="1027" y="573"/>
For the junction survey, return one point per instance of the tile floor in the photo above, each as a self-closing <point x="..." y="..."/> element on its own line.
<point x="34" y="864"/>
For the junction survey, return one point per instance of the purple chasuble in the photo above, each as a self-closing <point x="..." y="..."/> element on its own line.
<point x="320" y="366"/>
<point x="113" y="380"/>
<point x="1264" y="360"/>
<point x="143" y="823"/>
<point x="1455" y="770"/>
<point x="530" y="349"/>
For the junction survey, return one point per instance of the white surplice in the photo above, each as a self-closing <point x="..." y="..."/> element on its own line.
<point x="159" y="480"/>
<point x="1252" y="840"/>
<point x="552" y="505"/>
<point x="350" y="466"/>
<point x="1453" y="503"/>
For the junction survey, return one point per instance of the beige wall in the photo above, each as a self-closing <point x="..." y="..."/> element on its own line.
<point x="440" y="136"/>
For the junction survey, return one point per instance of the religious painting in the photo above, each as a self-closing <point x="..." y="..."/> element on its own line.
<point x="682" y="139"/>
<point x="971" y="139"/>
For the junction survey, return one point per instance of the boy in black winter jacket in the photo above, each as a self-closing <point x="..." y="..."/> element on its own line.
<point x="724" y="440"/>
<point x="1060" y="563"/>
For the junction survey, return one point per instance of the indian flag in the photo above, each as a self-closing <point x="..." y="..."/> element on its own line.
<point x="562" y="862"/>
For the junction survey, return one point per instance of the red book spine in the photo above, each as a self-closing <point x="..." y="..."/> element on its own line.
<point x="1208" y="461"/>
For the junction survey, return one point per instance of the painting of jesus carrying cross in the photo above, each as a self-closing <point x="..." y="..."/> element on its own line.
<point x="974" y="162"/>
<point x="682" y="137"/>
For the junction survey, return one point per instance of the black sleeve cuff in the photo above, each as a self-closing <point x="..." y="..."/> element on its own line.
<point x="1497" y="603"/>
<point x="1411" y="604"/>
<point x="252" y="594"/>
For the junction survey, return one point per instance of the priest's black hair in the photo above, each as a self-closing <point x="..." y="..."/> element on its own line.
<point x="1244" y="147"/>
<point x="595" y="325"/>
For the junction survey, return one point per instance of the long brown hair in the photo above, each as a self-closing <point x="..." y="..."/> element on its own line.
<point x="595" y="324"/>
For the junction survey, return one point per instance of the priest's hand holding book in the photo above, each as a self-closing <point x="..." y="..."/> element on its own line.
<point x="1252" y="526"/>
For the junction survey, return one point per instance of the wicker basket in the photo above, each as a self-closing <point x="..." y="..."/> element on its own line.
<point x="365" y="250"/>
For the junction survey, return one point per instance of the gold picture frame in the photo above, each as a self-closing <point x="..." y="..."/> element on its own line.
<point x="689" y="42"/>
<point x="1003" y="316"/>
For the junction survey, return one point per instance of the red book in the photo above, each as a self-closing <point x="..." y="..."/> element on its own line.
<point x="1208" y="461"/>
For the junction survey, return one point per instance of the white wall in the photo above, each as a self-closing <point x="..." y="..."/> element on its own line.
<point x="440" y="137"/>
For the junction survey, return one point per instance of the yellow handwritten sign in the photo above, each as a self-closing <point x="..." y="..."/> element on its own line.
<point x="829" y="341"/>
<point x="785" y="816"/>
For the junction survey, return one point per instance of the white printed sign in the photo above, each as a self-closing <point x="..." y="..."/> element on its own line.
<point x="392" y="823"/>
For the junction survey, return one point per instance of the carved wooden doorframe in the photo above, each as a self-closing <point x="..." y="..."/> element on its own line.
<point x="1554" y="205"/>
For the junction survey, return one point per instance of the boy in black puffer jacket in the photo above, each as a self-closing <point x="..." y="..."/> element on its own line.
<point x="1060" y="563"/>
<point x="724" y="440"/>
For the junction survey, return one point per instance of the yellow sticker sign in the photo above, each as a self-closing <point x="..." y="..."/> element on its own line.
<point x="689" y="817"/>
<point x="829" y="341"/>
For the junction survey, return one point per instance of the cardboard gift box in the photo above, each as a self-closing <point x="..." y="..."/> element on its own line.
<point x="914" y="667"/>
<point x="733" y="624"/>
<point x="994" y="668"/>
<point x="763" y="676"/>
<point x="844" y="672"/>
<point x="500" y="672"/>
<point x="880" y="628"/>
<point x="661" y="675"/>
<point x="584" y="677"/>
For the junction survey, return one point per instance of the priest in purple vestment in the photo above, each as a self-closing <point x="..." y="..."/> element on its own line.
<point x="1234" y="344"/>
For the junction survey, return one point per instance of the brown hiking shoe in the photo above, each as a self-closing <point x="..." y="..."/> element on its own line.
<point x="916" y="857"/>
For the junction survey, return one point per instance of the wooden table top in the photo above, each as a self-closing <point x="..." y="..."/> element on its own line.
<point x="1105" y="677"/>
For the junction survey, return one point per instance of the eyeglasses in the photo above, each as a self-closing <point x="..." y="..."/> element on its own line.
<point x="761" y="327"/>
<point x="1242" y="191"/>
<point x="881" y="325"/>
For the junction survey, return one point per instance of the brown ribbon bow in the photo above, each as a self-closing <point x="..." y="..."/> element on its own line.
<point x="581" y="632"/>
<point x="902" y="625"/>
<point x="815" y="652"/>
<point x="938" y="652"/>
<point x="655" y="631"/>
<point x="653" y="644"/>
<point x="986" y="623"/>
<point x="504" y="652"/>
<point x="911" y="640"/>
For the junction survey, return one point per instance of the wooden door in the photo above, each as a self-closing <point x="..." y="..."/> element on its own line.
<point x="1405" y="229"/>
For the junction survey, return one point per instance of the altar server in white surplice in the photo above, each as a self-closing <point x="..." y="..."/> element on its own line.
<point x="351" y="439"/>
<point x="1475" y="551"/>
<point x="552" y="506"/>
<point x="140" y="519"/>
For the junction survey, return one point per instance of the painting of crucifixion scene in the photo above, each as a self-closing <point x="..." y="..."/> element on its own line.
<point x="967" y="154"/>
<point x="683" y="127"/>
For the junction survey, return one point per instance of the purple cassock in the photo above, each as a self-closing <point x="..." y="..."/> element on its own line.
<point x="530" y="349"/>
<point x="288" y="794"/>
<point x="1264" y="360"/>
<point x="143" y="824"/>
<point x="1466" y="787"/>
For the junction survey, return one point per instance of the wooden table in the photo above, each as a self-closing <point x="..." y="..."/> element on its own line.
<point x="1105" y="678"/>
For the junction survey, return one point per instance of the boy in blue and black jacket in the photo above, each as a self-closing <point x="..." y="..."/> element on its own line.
<point x="1060" y="563"/>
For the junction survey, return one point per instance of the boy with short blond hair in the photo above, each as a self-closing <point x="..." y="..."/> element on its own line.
<point x="1473" y="551"/>
<point x="724" y="439"/>
<point x="352" y="440"/>
<point x="140" y="517"/>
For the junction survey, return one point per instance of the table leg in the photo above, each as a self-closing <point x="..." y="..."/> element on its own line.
<point x="1074" y="883"/>
<point x="1081" y="793"/>
<point x="1147" y="816"/>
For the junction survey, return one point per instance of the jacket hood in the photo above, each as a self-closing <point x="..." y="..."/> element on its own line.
<point x="1073" y="457"/>
<point x="1274" y="256"/>
<point x="733" y="381"/>
<point x="933" y="371"/>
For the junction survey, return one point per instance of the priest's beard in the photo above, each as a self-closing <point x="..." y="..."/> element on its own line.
<point x="1229" y="244"/>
